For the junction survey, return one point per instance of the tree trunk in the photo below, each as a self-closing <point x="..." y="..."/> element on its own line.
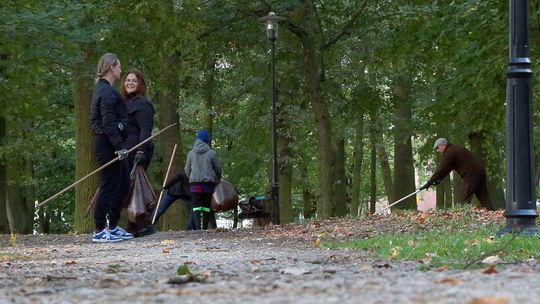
<point x="4" y="223"/>
<point x="383" y="161"/>
<point x="84" y="160"/>
<point x="403" y="160"/>
<point x="457" y="183"/>
<point x="495" y="190"/>
<point x="340" y="198"/>
<point x="208" y="91"/>
<point x="285" y="179"/>
<point x="20" y="208"/>
<point x="373" y="170"/>
<point x="313" y="69"/>
<point x="176" y="217"/>
<point x="357" y="167"/>
<point x="307" y="196"/>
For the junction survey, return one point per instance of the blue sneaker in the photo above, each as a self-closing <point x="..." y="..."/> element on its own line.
<point x="105" y="237"/>
<point x="121" y="233"/>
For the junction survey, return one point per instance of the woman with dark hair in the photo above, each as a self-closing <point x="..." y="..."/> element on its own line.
<point x="140" y="118"/>
<point x="108" y="120"/>
<point x="139" y="127"/>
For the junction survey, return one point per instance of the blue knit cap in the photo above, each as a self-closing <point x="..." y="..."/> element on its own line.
<point x="203" y="135"/>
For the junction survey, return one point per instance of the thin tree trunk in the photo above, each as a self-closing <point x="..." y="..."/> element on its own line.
<point x="307" y="196"/>
<point x="208" y="91"/>
<point x="373" y="170"/>
<point x="84" y="160"/>
<point x="403" y="160"/>
<point x="285" y="180"/>
<point x="358" y="159"/>
<point x="340" y="198"/>
<point x="4" y="224"/>
<point x="383" y="161"/>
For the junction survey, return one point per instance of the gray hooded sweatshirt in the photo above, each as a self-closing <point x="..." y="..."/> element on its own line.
<point x="202" y="165"/>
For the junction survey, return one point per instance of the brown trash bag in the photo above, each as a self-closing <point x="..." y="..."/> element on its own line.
<point x="224" y="197"/>
<point x="142" y="198"/>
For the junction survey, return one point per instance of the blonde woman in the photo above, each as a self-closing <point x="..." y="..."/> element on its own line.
<point x="108" y="119"/>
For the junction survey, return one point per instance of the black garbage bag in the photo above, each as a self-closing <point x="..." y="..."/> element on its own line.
<point x="142" y="199"/>
<point x="224" y="197"/>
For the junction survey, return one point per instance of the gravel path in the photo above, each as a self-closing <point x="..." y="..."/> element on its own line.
<point x="240" y="266"/>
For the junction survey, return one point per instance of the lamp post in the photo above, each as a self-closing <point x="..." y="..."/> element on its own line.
<point x="272" y="24"/>
<point x="520" y="210"/>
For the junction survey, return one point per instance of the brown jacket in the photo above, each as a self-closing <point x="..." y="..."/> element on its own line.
<point x="460" y="159"/>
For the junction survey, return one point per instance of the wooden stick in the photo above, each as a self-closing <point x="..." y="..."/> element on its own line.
<point x="164" y="183"/>
<point x="398" y="201"/>
<point x="101" y="168"/>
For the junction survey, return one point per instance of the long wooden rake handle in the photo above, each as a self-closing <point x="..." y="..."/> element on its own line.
<point x="164" y="183"/>
<point x="102" y="167"/>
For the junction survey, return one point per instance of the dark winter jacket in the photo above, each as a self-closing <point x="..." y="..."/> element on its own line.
<point x="140" y="123"/>
<point x="108" y="113"/>
<point x="460" y="159"/>
<point x="178" y="186"/>
<point x="202" y="165"/>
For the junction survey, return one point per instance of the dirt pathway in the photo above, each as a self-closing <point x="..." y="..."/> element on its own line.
<point x="241" y="266"/>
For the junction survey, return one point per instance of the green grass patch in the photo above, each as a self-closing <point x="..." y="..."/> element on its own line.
<point x="7" y="257"/>
<point x="448" y="245"/>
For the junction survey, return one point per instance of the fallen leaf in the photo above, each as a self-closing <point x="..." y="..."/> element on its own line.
<point x="255" y="262"/>
<point x="451" y="281"/>
<point x="490" y="300"/>
<point x="395" y="252"/>
<point x="442" y="268"/>
<point x="183" y="270"/>
<point x="490" y="270"/>
<point x="71" y="262"/>
<point x="317" y="243"/>
<point x="166" y="250"/>
<point x="494" y="259"/>
<point x="167" y="242"/>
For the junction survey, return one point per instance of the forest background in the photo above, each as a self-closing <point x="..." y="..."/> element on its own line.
<point x="363" y="90"/>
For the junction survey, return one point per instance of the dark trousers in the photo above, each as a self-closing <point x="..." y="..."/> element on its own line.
<point x="202" y="213"/>
<point x="113" y="184"/>
<point x="167" y="200"/>
<point x="476" y="185"/>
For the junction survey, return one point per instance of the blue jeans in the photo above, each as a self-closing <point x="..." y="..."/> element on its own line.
<point x="166" y="201"/>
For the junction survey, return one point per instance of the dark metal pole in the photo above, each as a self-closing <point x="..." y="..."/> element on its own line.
<point x="520" y="211"/>
<point x="275" y="185"/>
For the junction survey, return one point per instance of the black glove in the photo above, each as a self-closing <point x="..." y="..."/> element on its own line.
<point x="140" y="158"/>
<point x="122" y="154"/>
<point x="424" y="187"/>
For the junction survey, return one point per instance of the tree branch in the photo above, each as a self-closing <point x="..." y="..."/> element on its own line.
<point x="345" y="30"/>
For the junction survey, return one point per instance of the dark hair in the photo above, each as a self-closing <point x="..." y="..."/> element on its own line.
<point x="141" y="88"/>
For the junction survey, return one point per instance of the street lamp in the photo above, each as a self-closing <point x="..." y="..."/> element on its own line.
<point x="272" y="24"/>
<point x="520" y="210"/>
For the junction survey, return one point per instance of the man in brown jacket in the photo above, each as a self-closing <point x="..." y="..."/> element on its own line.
<point x="470" y="169"/>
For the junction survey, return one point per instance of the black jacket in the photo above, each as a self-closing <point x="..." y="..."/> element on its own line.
<point x="108" y="113"/>
<point x="140" y="123"/>
<point x="179" y="186"/>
